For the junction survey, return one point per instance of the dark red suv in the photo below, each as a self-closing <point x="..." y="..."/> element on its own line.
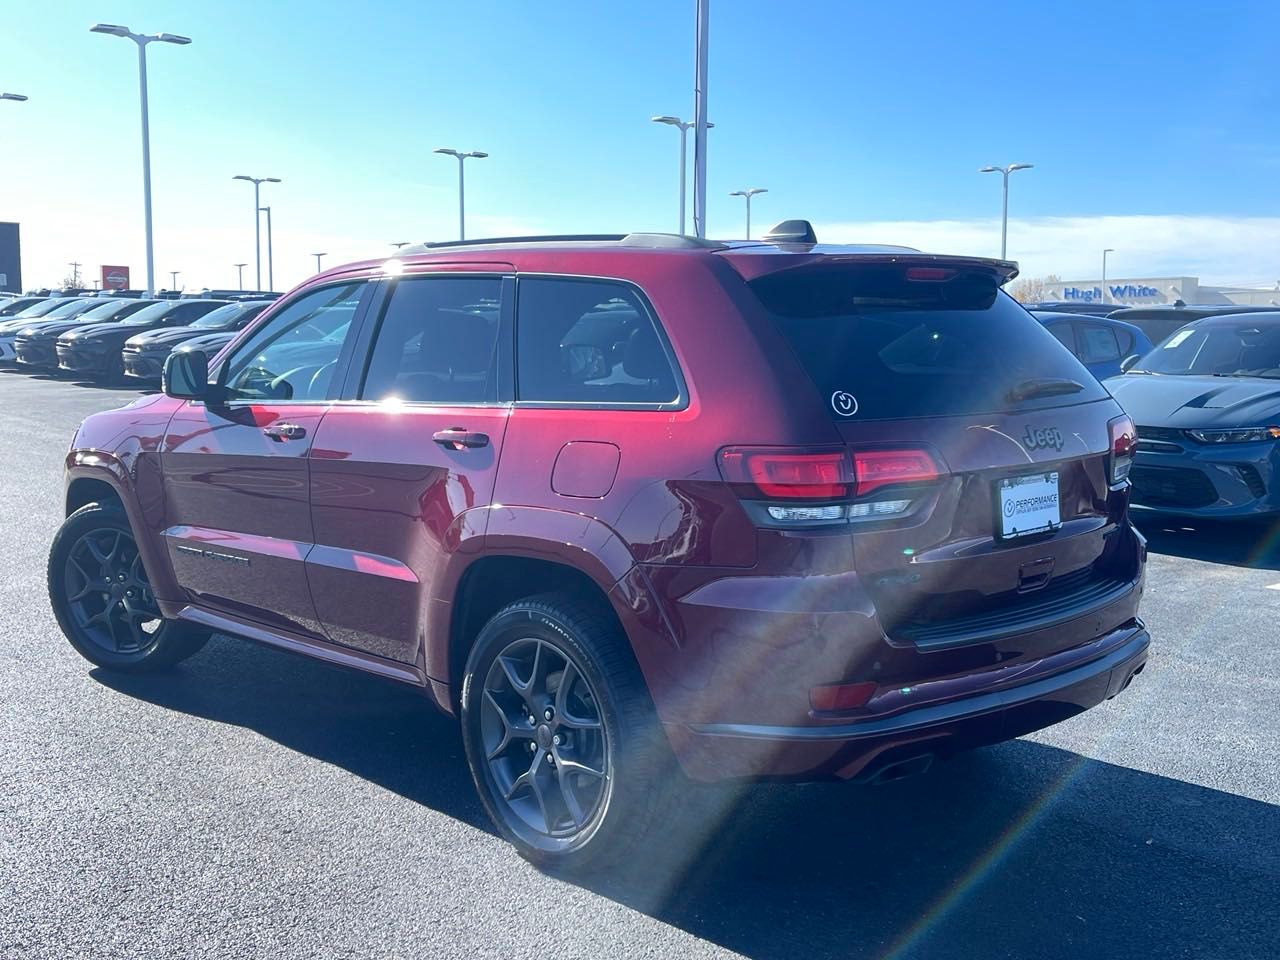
<point x="754" y="509"/>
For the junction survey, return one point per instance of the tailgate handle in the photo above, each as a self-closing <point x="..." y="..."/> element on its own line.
<point x="1034" y="575"/>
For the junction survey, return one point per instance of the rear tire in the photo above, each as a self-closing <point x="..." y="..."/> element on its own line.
<point x="102" y="597"/>
<point x="560" y="734"/>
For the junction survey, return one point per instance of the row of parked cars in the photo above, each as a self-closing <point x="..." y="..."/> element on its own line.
<point x="116" y="338"/>
<point x="1205" y="399"/>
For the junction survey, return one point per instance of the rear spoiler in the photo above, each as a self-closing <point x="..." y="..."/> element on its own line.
<point x="753" y="266"/>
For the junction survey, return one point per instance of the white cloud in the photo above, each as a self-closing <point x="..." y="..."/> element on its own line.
<point x="1243" y="251"/>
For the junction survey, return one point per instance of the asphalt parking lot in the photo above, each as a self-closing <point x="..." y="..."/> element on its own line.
<point x="256" y="804"/>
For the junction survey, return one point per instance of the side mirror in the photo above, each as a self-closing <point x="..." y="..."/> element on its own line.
<point x="1128" y="362"/>
<point x="186" y="375"/>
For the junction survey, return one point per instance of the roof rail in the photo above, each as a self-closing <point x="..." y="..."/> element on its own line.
<point x="657" y="241"/>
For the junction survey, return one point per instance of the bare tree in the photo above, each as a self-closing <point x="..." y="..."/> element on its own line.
<point x="1033" y="289"/>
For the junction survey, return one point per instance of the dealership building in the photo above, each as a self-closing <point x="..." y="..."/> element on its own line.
<point x="1147" y="290"/>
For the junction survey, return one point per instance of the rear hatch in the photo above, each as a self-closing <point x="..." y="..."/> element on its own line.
<point x="986" y="464"/>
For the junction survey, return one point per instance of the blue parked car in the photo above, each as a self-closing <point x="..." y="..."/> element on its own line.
<point x="1098" y="343"/>
<point x="1206" y="404"/>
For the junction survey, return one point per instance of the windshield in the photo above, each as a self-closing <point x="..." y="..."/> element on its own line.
<point x="1237" y="349"/>
<point x="150" y="314"/>
<point x="68" y="308"/>
<point x="105" y="311"/>
<point x="909" y="348"/>
<point x="217" y="319"/>
<point x="40" y="309"/>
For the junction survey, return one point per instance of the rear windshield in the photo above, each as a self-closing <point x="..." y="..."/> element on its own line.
<point x="879" y="346"/>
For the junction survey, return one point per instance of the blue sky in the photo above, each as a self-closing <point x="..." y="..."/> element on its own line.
<point x="1152" y="127"/>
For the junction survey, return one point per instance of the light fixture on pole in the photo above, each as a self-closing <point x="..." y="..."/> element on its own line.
<point x="240" y="275"/>
<point x="318" y="256"/>
<point x="271" y="274"/>
<point x="173" y="279"/>
<point x="257" y="220"/>
<point x="1104" y="272"/>
<point x="401" y="243"/>
<point x="748" y="194"/>
<point x="462" y="187"/>
<point x="115" y="30"/>
<point x="683" y="126"/>
<point x="1004" y="210"/>
<point x="12" y="96"/>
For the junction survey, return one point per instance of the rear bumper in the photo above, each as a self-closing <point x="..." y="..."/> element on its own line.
<point x="716" y="751"/>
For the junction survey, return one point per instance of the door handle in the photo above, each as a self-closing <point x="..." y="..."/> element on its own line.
<point x="458" y="438"/>
<point x="285" y="431"/>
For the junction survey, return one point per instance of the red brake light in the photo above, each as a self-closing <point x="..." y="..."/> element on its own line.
<point x="787" y="474"/>
<point x="1124" y="439"/>
<point x="930" y="274"/>
<point x="880" y="468"/>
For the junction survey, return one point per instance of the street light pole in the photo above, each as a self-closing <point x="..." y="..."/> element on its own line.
<point x="240" y="275"/>
<point x="462" y="155"/>
<point x="173" y="279"/>
<point x="1004" y="211"/>
<point x="271" y="274"/>
<point x="683" y="126"/>
<point x="257" y="220"/>
<point x="116" y="30"/>
<point x="1104" y="272"/>
<point x="318" y="256"/>
<point x="749" y="194"/>
<point x="703" y="16"/>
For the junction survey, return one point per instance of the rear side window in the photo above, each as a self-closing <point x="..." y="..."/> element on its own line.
<point x="1098" y="344"/>
<point x="880" y="346"/>
<point x="437" y="342"/>
<point x="589" y="341"/>
<point x="1065" y="335"/>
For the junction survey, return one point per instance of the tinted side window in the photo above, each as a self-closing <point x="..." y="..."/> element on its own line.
<point x="1098" y="344"/>
<point x="589" y="341"/>
<point x="1125" y="339"/>
<point x="294" y="355"/>
<point x="437" y="342"/>
<point x="1064" y="334"/>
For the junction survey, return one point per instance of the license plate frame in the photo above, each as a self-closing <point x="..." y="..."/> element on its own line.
<point x="1022" y="497"/>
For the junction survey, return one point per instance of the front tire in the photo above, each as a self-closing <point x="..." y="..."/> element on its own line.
<point x="102" y="598"/>
<point x="560" y="734"/>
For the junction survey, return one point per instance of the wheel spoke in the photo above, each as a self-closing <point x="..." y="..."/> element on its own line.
<point x="570" y="798"/>
<point x="569" y="765"/>
<point x="90" y="586"/>
<point x="510" y="731"/>
<point x="577" y="723"/>
<point x="538" y="793"/>
<point x="524" y="780"/>
<point x="95" y="551"/>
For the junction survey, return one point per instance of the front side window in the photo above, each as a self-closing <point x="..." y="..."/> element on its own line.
<point x="437" y="342"/>
<point x="589" y="341"/>
<point x="294" y="355"/>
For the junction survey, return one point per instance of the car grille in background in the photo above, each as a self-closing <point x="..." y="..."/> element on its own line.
<point x="1160" y="439"/>
<point x="1171" y="487"/>
<point x="1249" y="474"/>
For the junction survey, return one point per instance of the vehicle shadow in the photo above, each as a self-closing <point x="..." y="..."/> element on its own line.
<point x="1240" y="543"/>
<point x="1019" y="850"/>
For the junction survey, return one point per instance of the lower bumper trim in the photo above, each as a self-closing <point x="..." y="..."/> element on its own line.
<point x="1132" y="649"/>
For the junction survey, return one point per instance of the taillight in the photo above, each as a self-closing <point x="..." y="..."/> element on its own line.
<point x="783" y="473"/>
<point x="854" y="481"/>
<point x="931" y="274"/>
<point x="1124" y="438"/>
<point x="881" y="468"/>
<point x="840" y="696"/>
